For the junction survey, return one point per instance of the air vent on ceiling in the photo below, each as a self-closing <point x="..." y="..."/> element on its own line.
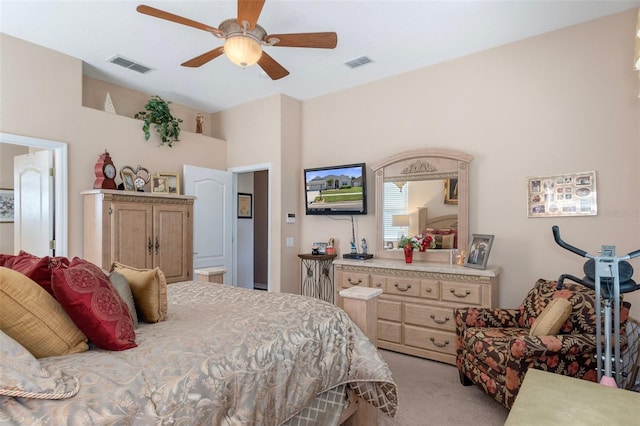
<point x="358" y="62"/>
<point x="127" y="63"/>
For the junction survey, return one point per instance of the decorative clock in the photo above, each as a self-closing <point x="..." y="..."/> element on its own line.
<point x="135" y="179"/>
<point x="105" y="172"/>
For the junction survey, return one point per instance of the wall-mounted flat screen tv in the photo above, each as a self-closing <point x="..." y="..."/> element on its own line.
<point x="336" y="190"/>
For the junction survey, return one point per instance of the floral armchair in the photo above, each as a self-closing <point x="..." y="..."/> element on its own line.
<point x="495" y="349"/>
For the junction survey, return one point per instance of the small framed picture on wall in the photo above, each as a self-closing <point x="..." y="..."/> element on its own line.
<point x="245" y="206"/>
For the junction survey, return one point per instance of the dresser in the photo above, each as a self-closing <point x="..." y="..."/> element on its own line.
<point x="415" y="311"/>
<point x="140" y="229"/>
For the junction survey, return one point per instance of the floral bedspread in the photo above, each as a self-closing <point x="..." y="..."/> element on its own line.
<point x="224" y="356"/>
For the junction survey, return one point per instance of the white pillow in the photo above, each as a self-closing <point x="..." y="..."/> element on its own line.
<point x="21" y="375"/>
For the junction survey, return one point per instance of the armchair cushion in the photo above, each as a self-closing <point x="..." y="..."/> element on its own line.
<point x="552" y="318"/>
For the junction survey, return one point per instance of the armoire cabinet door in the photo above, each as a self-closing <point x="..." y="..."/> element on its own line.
<point x="172" y="241"/>
<point x="132" y="234"/>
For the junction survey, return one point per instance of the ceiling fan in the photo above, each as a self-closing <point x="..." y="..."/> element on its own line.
<point x="244" y="38"/>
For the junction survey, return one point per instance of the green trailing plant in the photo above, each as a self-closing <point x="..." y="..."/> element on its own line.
<point x="158" y="113"/>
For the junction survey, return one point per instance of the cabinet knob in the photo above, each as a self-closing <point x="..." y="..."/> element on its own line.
<point x="466" y="293"/>
<point x="428" y="290"/>
<point x="356" y="283"/>
<point x="378" y="284"/>
<point x="402" y="289"/>
<point x="440" y="345"/>
<point x="437" y="321"/>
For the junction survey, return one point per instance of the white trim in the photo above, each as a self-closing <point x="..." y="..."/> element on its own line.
<point x="61" y="183"/>
<point x="249" y="169"/>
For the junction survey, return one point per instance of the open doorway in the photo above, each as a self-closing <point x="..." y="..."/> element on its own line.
<point x="252" y="230"/>
<point x="59" y="212"/>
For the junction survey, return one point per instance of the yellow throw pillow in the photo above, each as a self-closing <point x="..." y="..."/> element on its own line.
<point x="551" y="319"/>
<point x="33" y="318"/>
<point x="149" y="288"/>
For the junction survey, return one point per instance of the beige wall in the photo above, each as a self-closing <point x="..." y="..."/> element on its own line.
<point x="267" y="131"/>
<point x="41" y="97"/>
<point x="562" y="102"/>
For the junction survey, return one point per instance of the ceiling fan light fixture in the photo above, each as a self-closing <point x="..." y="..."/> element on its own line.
<point x="242" y="50"/>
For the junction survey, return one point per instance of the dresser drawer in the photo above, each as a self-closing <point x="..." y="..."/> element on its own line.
<point x="429" y="316"/>
<point x="403" y="286"/>
<point x="350" y="279"/>
<point x="469" y="294"/>
<point x="430" y="289"/>
<point x="378" y="281"/>
<point x="433" y="340"/>
<point x="389" y="310"/>
<point x="390" y="331"/>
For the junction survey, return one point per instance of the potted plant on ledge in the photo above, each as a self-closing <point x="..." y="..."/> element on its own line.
<point x="158" y="113"/>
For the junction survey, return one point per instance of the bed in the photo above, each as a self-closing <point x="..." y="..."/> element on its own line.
<point x="222" y="356"/>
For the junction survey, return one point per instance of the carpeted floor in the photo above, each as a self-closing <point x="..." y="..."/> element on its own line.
<point x="430" y="393"/>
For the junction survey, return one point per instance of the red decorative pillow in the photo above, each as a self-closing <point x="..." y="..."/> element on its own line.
<point x="38" y="268"/>
<point x="6" y="260"/>
<point x="94" y="305"/>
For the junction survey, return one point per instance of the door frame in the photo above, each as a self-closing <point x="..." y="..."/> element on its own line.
<point x="60" y="185"/>
<point x="236" y="171"/>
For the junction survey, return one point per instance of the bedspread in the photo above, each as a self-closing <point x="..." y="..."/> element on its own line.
<point x="224" y="356"/>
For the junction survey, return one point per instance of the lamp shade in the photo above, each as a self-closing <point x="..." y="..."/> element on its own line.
<point x="242" y="50"/>
<point x="400" y="220"/>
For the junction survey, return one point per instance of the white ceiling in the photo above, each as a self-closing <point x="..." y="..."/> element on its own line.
<point x="397" y="35"/>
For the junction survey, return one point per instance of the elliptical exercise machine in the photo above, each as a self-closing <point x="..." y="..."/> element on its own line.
<point x="609" y="276"/>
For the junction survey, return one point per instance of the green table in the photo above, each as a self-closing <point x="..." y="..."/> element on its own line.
<point x="552" y="399"/>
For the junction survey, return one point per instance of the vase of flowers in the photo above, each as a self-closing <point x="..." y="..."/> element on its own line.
<point x="419" y="242"/>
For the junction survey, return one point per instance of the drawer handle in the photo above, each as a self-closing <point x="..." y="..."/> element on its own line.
<point x="352" y="283"/>
<point x="428" y="290"/>
<point x="378" y="284"/>
<point x="444" y="321"/>
<point x="440" y="345"/>
<point x="466" y="293"/>
<point x="402" y="289"/>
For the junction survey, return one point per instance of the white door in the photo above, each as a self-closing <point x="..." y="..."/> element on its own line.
<point x="212" y="217"/>
<point x="33" y="184"/>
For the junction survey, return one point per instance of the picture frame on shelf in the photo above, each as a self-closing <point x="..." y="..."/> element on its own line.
<point x="173" y="181"/>
<point x="128" y="179"/>
<point x="159" y="185"/>
<point x="479" y="250"/>
<point x="7" y="205"/>
<point x="451" y="191"/>
<point x="245" y="206"/>
<point x="321" y="248"/>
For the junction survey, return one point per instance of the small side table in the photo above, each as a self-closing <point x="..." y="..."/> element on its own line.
<point x="317" y="276"/>
<point x="210" y="275"/>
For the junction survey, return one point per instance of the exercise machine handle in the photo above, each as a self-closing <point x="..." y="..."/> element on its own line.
<point x="634" y="253"/>
<point x="556" y="236"/>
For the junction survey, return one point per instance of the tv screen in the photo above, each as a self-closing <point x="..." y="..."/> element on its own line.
<point x="336" y="190"/>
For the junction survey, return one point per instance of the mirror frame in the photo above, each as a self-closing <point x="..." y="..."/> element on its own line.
<point x="416" y="156"/>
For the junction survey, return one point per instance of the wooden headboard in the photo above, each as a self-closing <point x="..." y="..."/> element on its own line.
<point x="448" y="221"/>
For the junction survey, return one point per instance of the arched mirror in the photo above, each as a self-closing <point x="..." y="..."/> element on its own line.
<point x="423" y="191"/>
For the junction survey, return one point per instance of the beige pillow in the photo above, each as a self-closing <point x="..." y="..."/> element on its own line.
<point x="33" y="318"/>
<point x="552" y="318"/>
<point x="149" y="288"/>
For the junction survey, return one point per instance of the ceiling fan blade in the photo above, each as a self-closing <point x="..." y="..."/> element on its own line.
<point x="271" y="67"/>
<point x="318" y="40"/>
<point x="204" y="58"/>
<point x="249" y="10"/>
<point x="157" y="13"/>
